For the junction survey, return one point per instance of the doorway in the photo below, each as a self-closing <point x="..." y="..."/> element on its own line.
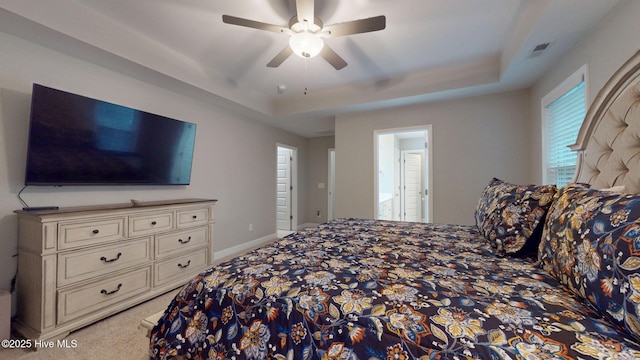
<point x="403" y="174"/>
<point x="286" y="188"/>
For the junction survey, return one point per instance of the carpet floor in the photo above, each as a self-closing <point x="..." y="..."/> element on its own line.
<point x="117" y="337"/>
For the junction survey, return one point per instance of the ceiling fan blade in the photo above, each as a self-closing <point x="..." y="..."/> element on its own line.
<point x="281" y="57"/>
<point x="332" y="57"/>
<point x="305" y="10"/>
<point x="355" y="27"/>
<point x="228" y="19"/>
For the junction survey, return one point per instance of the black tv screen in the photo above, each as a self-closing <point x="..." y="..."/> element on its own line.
<point x="76" y="140"/>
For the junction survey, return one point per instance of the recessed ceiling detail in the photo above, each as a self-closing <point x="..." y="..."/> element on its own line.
<point x="429" y="50"/>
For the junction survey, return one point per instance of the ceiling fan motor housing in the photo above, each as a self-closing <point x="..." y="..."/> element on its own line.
<point x="301" y="25"/>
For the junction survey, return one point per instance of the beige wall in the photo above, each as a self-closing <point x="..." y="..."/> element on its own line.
<point x="474" y="139"/>
<point x="234" y="160"/>
<point x="608" y="45"/>
<point x="318" y="173"/>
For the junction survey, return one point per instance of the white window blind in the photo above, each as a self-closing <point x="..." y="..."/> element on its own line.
<point x="564" y="116"/>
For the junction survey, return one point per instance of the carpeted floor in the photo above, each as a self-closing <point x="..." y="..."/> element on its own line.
<point x="117" y="337"/>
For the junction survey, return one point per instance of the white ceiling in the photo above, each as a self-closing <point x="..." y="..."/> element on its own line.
<point x="430" y="49"/>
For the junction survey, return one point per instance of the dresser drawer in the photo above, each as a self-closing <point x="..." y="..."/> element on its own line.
<point x="172" y="243"/>
<point x="72" y="235"/>
<point x="150" y="223"/>
<point x="182" y="267"/>
<point x="85" y="264"/>
<point x="194" y="217"/>
<point x="84" y="300"/>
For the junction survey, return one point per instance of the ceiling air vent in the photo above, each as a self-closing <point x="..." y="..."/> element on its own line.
<point x="539" y="49"/>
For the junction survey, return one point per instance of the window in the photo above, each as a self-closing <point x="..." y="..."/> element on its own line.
<point x="563" y="110"/>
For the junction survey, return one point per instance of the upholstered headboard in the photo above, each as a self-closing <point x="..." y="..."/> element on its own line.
<point x="608" y="143"/>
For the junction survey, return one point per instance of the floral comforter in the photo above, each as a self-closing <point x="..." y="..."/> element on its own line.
<point x="371" y="289"/>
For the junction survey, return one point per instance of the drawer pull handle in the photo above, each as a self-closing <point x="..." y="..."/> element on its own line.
<point x="105" y="292"/>
<point x="184" y="241"/>
<point x="95" y="231"/>
<point x="111" y="260"/>
<point x="184" y="266"/>
<point x="195" y="217"/>
<point x="153" y="222"/>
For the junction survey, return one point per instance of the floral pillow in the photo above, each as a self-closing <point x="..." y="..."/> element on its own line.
<point x="591" y="244"/>
<point x="487" y="202"/>
<point x="508" y="215"/>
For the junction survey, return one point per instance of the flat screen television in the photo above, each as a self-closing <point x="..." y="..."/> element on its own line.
<point x="76" y="140"/>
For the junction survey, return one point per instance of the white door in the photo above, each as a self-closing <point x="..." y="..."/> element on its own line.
<point x="283" y="189"/>
<point x="412" y="187"/>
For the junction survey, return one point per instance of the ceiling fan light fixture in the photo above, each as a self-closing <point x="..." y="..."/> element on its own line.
<point x="306" y="44"/>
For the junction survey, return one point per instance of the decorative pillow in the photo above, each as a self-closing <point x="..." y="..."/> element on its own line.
<point x="487" y="202"/>
<point x="508" y="214"/>
<point x="591" y="244"/>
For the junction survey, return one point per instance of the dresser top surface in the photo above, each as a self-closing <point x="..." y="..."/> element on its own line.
<point x="121" y="206"/>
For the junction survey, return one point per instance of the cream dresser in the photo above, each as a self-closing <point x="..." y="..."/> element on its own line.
<point x="79" y="265"/>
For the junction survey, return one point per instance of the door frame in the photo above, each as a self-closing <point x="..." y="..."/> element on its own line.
<point x="428" y="168"/>
<point x="294" y="184"/>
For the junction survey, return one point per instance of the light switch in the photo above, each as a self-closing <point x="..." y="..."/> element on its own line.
<point x="320" y="185"/>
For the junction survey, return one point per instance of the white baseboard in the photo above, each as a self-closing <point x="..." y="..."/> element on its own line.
<point x="307" y="225"/>
<point x="242" y="248"/>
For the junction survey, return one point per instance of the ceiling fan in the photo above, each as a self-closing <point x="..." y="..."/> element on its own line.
<point x="307" y="33"/>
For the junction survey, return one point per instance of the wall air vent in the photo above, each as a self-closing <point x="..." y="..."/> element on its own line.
<point x="539" y="49"/>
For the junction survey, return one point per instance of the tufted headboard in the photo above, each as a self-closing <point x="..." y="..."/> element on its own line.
<point x="608" y="143"/>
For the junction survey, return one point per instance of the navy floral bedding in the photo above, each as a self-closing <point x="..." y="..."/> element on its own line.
<point x="371" y="289"/>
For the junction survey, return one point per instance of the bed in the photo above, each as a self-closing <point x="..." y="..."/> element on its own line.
<point x="545" y="272"/>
